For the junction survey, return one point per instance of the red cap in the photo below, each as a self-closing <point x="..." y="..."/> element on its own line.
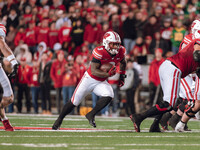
<point x="148" y="37"/>
<point x="60" y="52"/>
<point x="159" y="50"/>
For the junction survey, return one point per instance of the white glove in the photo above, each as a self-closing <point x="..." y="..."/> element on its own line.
<point x="180" y="127"/>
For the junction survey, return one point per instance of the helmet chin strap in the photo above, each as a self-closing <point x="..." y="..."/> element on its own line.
<point x="114" y="51"/>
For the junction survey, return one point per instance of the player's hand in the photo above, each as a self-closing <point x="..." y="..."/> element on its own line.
<point x="198" y="72"/>
<point x="112" y="71"/>
<point x="14" y="72"/>
<point x="121" y="80"/>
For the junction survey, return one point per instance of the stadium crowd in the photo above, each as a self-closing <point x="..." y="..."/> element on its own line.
<point x="53" y="41"/>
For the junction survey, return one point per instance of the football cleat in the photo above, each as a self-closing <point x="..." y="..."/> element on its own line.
<point x="174" y="120"/>
<point x="7" y="125"/>
<point x="57" y="124"/>
<point x="155" y="127"/>
<point x="186" y="128"/>
<point x="91" y="120"/>
<point x="164" y="120"/>
<point x="180" y="127"/>
<point x="136" y="121"/>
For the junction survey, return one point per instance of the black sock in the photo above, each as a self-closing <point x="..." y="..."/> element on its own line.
<point x="101" y="103"/>
<point x="68" y="107"/>
<point x="150" y="112"/>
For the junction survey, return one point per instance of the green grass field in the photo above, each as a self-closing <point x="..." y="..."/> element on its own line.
<point x="119" y="135"/>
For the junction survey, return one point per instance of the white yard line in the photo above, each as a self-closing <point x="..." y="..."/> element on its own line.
<point x="134" y="144"/>
<point x="95" y="136"/>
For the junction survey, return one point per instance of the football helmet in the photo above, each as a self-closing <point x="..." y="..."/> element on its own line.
<point x="2" y="30"/>
<point x="195" y="29"/>
<point x="111" y="37"/>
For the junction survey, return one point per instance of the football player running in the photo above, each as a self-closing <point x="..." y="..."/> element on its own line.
<point x="94" y="79"/>
<point x="5" y="83"/>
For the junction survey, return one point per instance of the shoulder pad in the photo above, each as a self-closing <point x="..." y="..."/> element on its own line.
<point x="98" y="52"/>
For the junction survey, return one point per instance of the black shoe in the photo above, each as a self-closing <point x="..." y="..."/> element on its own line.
<point x="91" y="120"/>
<point x="135" y="118"/>
<point x="186" y="128"/>
<point x="164" y="120"/>
<point x="174" y="120"/>
<point x="57" y="124"/>
<point x="155" y="127"/>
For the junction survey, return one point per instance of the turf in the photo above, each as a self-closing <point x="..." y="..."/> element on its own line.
<point x="123" y="137"/>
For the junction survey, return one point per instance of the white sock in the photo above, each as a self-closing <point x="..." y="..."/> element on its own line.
<point x="5" y="118"/>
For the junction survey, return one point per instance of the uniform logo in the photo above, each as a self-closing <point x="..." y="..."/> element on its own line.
<point x="100" y="48"/>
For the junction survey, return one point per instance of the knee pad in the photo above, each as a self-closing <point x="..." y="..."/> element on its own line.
<point x="189" y="111"/>
<point x="183" y="105"/>
<point x="164" y="106"/>
<point x="178" y="102"/>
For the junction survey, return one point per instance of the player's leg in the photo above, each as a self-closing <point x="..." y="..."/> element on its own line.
<point x="170" y="81"/>
<point x="82" y="89"/>
<point x="105" y="91"/>
<point x="192" y="110"/>
<point x="6" y="99"/>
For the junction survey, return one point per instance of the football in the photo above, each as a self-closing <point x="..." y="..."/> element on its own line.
<point x="106" y="67"/>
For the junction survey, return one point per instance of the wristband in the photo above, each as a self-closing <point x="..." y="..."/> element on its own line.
<point x="10" y="57"/>
<point x="14" y="62"/>
<point x="122" y="72"/>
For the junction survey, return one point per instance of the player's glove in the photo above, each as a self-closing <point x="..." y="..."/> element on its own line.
<point x="121" y="78"/>
<point x="14" y="72"/>
<point x="198" y="72"/>
<point x="112" y="71"/>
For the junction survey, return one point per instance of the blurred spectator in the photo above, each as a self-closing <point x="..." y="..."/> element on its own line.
<point x="130" y="33"/>
<point x="52" y="35"/>
<point x="19" y="38"/>
<point x="27" y="15"/>
<point x="8" y="7"/>
<point x="140" y="22"/>
<point x="77" y="33"/>
<point x="12" y="19"/>
<point x="22" y="85"/>
<point x="57" y="4"/>
<point x="45" y="82"/>
<point x="24" y="52"/>
<point x="177" y="36"/>
<point x="42" y="47"/>
<point x="80" y="67"/>
<point x="131" y="83"/>
<point x="10" y="37"/>
<point x="64" y="35"/>
<point x="32" y="78"/>
<point x="69" y="79"/>
<point x="30" y="36"/>
<point x="42" y="32"/>
<point x="157" y="42"/>
<point x="166" y="32"/>
<point x="57" y="76"/>
<point x="154" y="79"/>
<point x="115" y="24"/>
<point x="91" y="34"/>
<point x="179" y="10"/>
<point x="151" y="27"/>
<point x="139" y="49"/>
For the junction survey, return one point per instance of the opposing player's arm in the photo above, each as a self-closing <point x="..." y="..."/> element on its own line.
<point x="95" y="69"/>
<point x="4" y="48"/>
<point x="196" y="53"/>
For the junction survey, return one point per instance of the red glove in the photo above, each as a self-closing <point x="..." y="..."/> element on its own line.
<point x="112" y="71"/>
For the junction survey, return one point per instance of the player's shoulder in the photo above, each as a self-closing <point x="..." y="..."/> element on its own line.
<point x="98" y="52"/>
<point x="188" y="38"/>
<point x="2" y="30"/>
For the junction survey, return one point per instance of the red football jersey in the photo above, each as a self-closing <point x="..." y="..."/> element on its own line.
<point x="184" y="59"/>
<point x="101" y="54"/>
<point x="187" y="39"/>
